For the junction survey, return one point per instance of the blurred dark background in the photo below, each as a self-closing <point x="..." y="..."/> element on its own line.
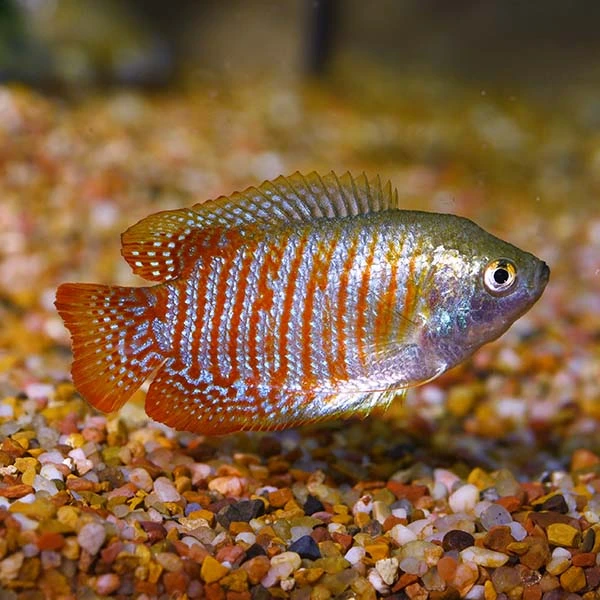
<point x="83" y="43"/>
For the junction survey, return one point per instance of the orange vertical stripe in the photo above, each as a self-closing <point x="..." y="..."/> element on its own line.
<point x="362" y="302"/>
<point x="282" y="375"/>
<point x="341" y="362"/>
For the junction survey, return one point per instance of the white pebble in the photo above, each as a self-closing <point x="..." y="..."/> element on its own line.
<point x="483" y="557"/>
<point x="402" y="534"/>
<point x="388" y="569"/>
<point x="50" y="472"/>
<point x="517" y="530"/>
<point x="51" y="456"/>
<point x="561" y="553"/>
<point x="439" y="491"/>
<point x="363" y="505"/>
<point x="246" y="537"/>
<point x="6" y="411"/>
<point x="42" y="484"/>
<point x="165" y="491"/>
<point x="447" y="478"/>
<point x="39" y="390"/>
<point x="464" y="498"/>
<point x="282" y="566"/>
<point x="91" y="537"/>
<point x="355" y="555"/>
<point x="141" y="479"/>
<point x="26" y="523"/>
<point x="413" y="565"/>
<point x="377" y="582"/>
<point x="477" y="592"/>
<point x="82" y="463"/>
<point x="399" y="512"/>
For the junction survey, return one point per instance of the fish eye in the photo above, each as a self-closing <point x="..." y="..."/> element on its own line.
<point x="500" y="276"/>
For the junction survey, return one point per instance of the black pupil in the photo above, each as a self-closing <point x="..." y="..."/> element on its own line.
<point x="501" y="275"/>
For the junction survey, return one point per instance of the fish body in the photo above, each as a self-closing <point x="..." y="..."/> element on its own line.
<point x="303" y="299"/>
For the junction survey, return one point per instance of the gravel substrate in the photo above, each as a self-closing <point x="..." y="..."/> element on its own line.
<point x="484" y="484"/>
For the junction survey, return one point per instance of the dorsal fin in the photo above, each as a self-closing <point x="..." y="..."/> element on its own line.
<point x="157" y="247"/>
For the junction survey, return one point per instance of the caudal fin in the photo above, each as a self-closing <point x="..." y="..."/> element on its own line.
<point x="118" y="339"/>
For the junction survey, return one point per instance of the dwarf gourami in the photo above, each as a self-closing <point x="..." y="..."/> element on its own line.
<point x="302" y="299"/>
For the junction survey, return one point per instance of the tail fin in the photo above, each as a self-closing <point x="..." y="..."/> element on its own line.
<point x="118" y="339"/>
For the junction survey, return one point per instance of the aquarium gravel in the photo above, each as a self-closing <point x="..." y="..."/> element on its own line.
<point x="482" y="485"/>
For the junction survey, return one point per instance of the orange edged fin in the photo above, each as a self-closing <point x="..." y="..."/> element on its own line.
<point x="218" y="408"/>
<point x="117" y="339"/>
<point x="214" y="409"/>
<point x="160" y="246"/>
<point x="156" y="246"/>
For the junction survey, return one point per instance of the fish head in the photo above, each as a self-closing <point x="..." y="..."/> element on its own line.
<point x="480" y="286"/>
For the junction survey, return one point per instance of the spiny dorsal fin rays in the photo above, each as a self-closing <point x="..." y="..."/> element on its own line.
<point x="158" y="247"/>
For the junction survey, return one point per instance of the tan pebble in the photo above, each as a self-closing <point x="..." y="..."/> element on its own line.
<point x="205" y="515"/>
<point x="329" y="548"/>
<point x="331" y="564"/>
<point x="489" y="593"/>
<point x="461" y="398"/>
<point x="68" y="516"/>
<point x="320" y="592"/>
<point x="416" y="592"/>
<point x="308" y="576"/>
<point x="38" y="509"/>
<point x="342" y="519"/>
<point x="229" y="485"/>
<point x="25" y="463"/>
<point x="361" y="519"/>
<point x="558" y="565"/>
<point x="10" y="566"/>
<point x="583" y="459"/>
<point x="377" y="551"/>
<point x="212" y="570"/>
<point x="280" y="497"/>
<point x="484" y="557"/>
<point x="236" y="581"/>
<point x="573" y="579"/>
<point x="561" y="534"/>
<point x="256" y="568"/>
<point x="169" y="561"/>
<point x="183" y="484"/>
<point x="381" y="511"/>
<point x="71" y="549"/>
<point x="154" y="572"/>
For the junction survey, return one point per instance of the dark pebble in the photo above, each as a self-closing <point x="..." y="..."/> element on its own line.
<point x="373" y="528"/>
<point x="401" y="450"/>
<point x="269" y="446"/>
<point x="556" y="503"/>
<point x="592" y="576"/>
<point x="244" y="510"/>
<point x="259" y="592"/>
<point x="306" y="547"/>
<point x="312" y="505"/>
<point x="156" y="532"/>
<point x="457" y="540"/>
<point x="589" y="539"/>
<point x="255" y="550"/>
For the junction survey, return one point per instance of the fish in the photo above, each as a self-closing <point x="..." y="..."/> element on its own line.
<point x="305" y="298"/>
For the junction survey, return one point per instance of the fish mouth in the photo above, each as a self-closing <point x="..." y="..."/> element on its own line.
<point x="543" y="275"/>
